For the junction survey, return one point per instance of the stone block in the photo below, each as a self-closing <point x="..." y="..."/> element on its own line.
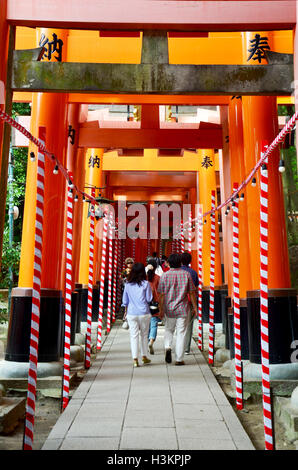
<point x="12" y="409"/>
<point x="288" y="417"/>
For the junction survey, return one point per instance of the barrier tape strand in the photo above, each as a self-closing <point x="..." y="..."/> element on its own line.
<point x="212" y="273"/>
<point x="35" y="315"/>
<point x="236" y="301"/>
<point x="68" y="291"/>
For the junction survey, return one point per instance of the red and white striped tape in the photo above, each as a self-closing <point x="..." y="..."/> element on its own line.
<point x="90" y="285"/>
<point x="40" y="145"/>
<point x="110" y="272"/>
<point x="115" y="277"/>
<point x="35" y="317"/>
<point x="268" y="428"/>
<point x="123" y="254"/>
<point x="102" y="280"/>
<point x="236" y="299"/>
<point x="160" y="247"/>
<point x="120" y="256"/>
<point x="189" y="231"/>
<point x="134" y="249"/>
<point x="199" y="226"/>
<point x="148" y="245"/>
<point x="212" y="275"/>
<point x="68" y="290"/>
<point x="182" y="244"/>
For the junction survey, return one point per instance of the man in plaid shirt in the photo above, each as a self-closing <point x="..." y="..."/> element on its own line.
<point x="177" y="293"/>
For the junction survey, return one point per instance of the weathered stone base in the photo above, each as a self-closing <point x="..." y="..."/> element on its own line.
<point x="287" y="371"/>
<point x="12" y="410"/>
<point x="12" y="369"/>
<point x="222" y="355"/>
<point x="288" y="417"/>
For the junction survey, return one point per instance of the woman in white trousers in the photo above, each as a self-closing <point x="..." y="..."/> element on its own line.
<point x="136" y="297"/>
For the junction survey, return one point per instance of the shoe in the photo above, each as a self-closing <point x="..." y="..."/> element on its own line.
<point x="179" y="363"/>
<point x="187" y="353"/>
<point x="146" y="360"/>
<point x="151" y="350"/>
<point x="136" y="363"/>
<point x="168" y="356"/>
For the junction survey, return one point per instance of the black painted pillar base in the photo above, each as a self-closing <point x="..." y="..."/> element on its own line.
<point x="243" y="331"/>
<point x="50" y="326"/>
<point x="74" y="316"/>
<point x="283" y="325"/>
<point x="82" y="290"/>
<point x="217" y="304"/>
<point x="226" y="304"/>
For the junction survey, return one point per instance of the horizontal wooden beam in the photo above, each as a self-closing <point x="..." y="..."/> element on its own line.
<point x="204" y="15"/>
<point x="150" y="138"/>
<point x="153" y="179"/>
<point x="67" y="77"/>
<point x="180" y="100"/>
<point x="189" y="162"/>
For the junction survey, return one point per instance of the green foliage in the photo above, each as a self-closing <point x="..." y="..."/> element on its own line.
<point x="21" y="109"/>
<point x="290" y="186"/>
<point x="10" y="259"/>
<point x="286" y="110"/>
<point x="11" y="254"/>
<point x="3" y="315"/>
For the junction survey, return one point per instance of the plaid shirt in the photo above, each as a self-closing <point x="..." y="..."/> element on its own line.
<point x="176" y="284"/>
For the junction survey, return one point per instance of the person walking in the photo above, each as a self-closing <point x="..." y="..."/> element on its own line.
<point x="123" y="277"/>
<point x="175" y="286"/>
<point x="158" y="269"/>
<point x="164" y="264"/>
<point x="153" y="280"/>
<point x="136" y="297"/>
<point x="185" y="264"/>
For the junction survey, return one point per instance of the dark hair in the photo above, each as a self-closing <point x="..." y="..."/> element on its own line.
<point x="154" y="254"/>
<point x="151" y="272"/>
<point x="174" y="260"/>
<point x="137" y="274"/>
<point x="164" y="258"/>
<point x="185" y="258"/>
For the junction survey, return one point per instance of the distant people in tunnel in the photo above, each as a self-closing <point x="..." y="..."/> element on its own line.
<point x="165" y="264"/>
<point x="154" y="257"/>
<point x="153" y="280"/>
<point x="128" y="265"/>
<point x="177" y="293"/>
<point x="136" y="297"/>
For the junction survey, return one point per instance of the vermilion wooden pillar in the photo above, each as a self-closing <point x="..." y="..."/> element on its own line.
<point x="237" y="175"/>
<point x="93" y="172"/>
<point x="75" y="165"/>
<point x="260" y="124"/>
<point x="225" y="191"/>
<point x="207" y="183"/>
<point x="194" y="253"/>
<point x="49" y="115"/>
<point x="93" y="177"/>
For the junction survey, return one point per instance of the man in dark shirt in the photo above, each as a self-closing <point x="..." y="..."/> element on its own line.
<point x="185" y="264"/>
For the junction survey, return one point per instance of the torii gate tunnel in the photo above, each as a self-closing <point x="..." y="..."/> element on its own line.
<point x="87" y="173"/>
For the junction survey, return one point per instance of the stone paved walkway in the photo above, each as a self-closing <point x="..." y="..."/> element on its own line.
<point x="154" y="407"/>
